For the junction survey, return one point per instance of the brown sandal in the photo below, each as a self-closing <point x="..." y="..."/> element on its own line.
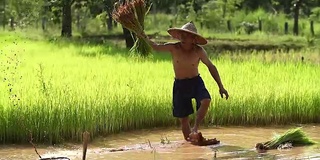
<point x="203" y="141"/>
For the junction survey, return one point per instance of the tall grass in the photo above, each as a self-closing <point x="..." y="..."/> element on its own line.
<point x="58" y="90"/>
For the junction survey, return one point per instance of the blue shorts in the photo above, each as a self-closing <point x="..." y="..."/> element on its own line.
<point x="184" y="90"/>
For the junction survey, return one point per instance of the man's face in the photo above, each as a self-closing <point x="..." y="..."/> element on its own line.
<point x="187" y="38"/>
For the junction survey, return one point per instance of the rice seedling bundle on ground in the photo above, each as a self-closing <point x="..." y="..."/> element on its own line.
<point x="131" y="15"/>
<point x="295" y="136"/>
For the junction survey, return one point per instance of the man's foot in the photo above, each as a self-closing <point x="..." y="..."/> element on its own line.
<point x="194" y="137"/>
<point x="206" y="142"/>
<point x="201" y="141"/>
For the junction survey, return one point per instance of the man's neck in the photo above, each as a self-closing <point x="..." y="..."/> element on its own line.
<point x="186" y="47"/>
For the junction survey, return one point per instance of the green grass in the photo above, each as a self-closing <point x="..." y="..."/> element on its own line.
<point x="57" y="90"/>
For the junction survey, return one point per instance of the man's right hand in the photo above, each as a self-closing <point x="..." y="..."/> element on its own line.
<point x="225" y="92"/>
<point x="142" y="35"/>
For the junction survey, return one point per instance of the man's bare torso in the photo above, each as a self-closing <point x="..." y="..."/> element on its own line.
<point x="185" y="62"/>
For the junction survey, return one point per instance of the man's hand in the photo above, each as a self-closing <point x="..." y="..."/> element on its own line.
<point x="225" y="92"/>
<point x="142" y="35"/>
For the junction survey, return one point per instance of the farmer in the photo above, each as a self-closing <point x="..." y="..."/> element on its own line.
<point x="188" y="84"/>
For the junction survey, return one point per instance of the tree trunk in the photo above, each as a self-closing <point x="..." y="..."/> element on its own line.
<point x="229" y="25"/>
<point x="224" y="9"/>
<point x="109" y="21"/>
<point x="115" y="24"/>
<point x="66" y="19"/>
<point x="4" y="15"/>
<point x="260" y="25"/>
<point x="12" y="23"/>
<point x="286" y="26"/>
<point x="44" y="23"/>
<point x="128" y="38"/>
<point x="78" y="21"/>
<point x="126" y="33"/>
<point x="296" y="17"/>
<point x="311" y="28"/>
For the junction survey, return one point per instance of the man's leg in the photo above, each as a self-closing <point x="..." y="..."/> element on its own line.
<point x="185" y="126"/>
<point x="201" y="113"/>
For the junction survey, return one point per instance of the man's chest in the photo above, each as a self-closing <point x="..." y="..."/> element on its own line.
<point x="186" y="58"/>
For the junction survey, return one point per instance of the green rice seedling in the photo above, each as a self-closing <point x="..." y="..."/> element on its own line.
<point x="294" y="136"/>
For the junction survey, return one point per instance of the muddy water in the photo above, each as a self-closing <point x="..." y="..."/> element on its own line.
<point x="236" y="143"/>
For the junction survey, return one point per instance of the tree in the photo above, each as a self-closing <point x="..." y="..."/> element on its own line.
<point x="126" y="33"/>
<point x="22" y="13"/>
<point x="4" y="21"/>
<point x="296" y="9"/>
<point x="66" y="18"/>
<point x="109" y="8"/>
<point x="44" y="13"/>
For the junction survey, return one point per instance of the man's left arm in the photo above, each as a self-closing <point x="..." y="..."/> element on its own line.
<point x="213" y="71"/>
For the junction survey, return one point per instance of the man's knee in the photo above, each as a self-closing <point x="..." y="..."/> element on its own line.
<point x="205" y="102"/>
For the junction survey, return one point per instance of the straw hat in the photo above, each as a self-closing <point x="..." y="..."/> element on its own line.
<point x="187" y="28"/>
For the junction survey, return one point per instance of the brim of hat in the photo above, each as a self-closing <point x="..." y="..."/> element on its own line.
<point x="175" y="32"/>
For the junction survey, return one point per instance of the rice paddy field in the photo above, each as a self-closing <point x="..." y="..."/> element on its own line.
<point x="56" y="90"/>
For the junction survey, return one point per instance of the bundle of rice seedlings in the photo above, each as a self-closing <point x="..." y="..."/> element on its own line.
<point x="141" y="47"/>
<point x="140" y="7"/>
<point x="294" y="136"/>
<point x="131" y="15"/>
<point x="125" y="15"/>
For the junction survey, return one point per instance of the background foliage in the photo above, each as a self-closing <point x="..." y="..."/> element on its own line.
<point x="94" y="16"/>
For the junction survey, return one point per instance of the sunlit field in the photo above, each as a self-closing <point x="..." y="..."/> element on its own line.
<point x="57" y="90"/>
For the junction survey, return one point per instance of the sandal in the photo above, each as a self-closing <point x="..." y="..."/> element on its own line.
<point x="201" y="141"/>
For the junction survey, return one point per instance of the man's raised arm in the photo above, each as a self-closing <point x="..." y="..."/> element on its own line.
<point x="167" y="47"/>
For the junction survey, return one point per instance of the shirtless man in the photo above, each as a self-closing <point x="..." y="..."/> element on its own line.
<point x="188" y="84"/>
